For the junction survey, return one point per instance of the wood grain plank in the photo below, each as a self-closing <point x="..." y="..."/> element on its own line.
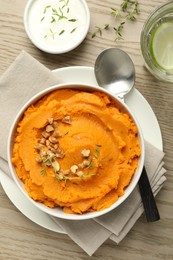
<point x="20" y="238"/>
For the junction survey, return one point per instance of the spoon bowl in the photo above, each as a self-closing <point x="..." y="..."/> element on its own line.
<point x="115" y="71"/>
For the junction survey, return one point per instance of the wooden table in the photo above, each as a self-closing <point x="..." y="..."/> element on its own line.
<point x="20" y="238"/>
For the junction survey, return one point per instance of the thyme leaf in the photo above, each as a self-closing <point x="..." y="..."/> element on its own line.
<point x="91" y="166"/>
<point x="72" y="20"/>
<point x="97" y="152"/>
<point x="73" y="30"/>
<point x="106" y="160"/>
<point x="42" y="18"/>
<point x="43" y="172"/>
<point x="62" y="32"/>
<point x="53" y="19"/>
<point x="52" y="33"/>
<point x="45" y="9"/>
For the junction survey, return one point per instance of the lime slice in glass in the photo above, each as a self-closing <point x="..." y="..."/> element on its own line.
<point x="162" y="45"/>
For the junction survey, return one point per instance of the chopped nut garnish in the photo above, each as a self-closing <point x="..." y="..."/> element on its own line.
<point x="67" y="120"/>
<point x="39" y="160"/>
<point x="74" y="168"/>
<point x="86" y="162"/>
<point x="49" y="150"/>
<point x="60" y="153"/>
<point x="53" y="139"/>
<point x="52" y="149"/>
<point x="80" y="174"/>
<point x="57" y="133"/>
<point x="50" y="144"/>
<point x="50" y="120"/>
<point x="56" y="166"/>
<point x="49" y="128"/>
<point x="42" y="153"/>
<point x="42" y="141"/>
<point x="55" y="123"/>
<point x="81" y="165"/>
<point x="66" y="172"/>
<point x="47" y="143"/>
<point x="55" y="146"/>
<point x="45" y="134"/>
<point x="85" y="152"/>
<point x="38" y="146"/>
<point x="52" y="155"/>
<point x="60" y="176"/>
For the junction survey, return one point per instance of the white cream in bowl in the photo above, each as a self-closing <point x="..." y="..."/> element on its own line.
<point x="56" y="26"/>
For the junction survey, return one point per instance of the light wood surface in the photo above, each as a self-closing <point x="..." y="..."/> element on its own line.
<point x="22" y="239"/>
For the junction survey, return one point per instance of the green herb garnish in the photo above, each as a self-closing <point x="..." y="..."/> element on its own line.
<point x="61" y="11"/>
<point x="100" y="29"/>
<point x="72" y="20"/>
<point x="62" y="32"/>
<point x="53" y="20"/>
<point x="42" y="18"/>
<point x="128" y="10"/>
<point x="45" y="9"/>
<point x="97" y="152"/>
<point x="43" y="172"/>
<point x="73" y="30"/>
<point x="60" y="14"/>
<point x="52" y="33"/>
<point x="91" y="166"/>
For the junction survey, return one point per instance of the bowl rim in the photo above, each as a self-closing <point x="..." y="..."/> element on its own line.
<point x="53" y="211"/>
<point x="42" y="47"/>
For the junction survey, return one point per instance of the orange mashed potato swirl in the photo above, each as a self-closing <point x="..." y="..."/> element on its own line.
<point x="76" y="150"/>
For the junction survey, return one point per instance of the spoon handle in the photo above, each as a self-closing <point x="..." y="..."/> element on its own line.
<point x="149" y="203"/>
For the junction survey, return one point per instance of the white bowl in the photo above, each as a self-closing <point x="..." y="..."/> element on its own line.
<point x="58" y="212"/>
<point x="54" y="27"/>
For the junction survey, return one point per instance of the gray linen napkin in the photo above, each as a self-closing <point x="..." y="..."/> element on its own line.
<point x="24" y="78"/>
<point x="121" y="220"/>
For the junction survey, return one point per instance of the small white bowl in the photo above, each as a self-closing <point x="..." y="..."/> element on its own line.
<point x="56" y="26"/>
<point x="58" y="212"/>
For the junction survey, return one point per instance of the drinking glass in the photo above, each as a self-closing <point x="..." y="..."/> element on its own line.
<point x="163" y="14"/>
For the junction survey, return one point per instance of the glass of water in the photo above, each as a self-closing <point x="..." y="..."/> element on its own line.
<point x="157" y="42"/>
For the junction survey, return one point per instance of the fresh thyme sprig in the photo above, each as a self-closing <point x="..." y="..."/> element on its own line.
<point x="118" y="31"/>
<point x="100" y="29"/>
<point x="128" y="10"/>
<point x="59" y="13"/>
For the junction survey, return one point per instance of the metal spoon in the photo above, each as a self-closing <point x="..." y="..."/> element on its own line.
<point x="114" y="71"/>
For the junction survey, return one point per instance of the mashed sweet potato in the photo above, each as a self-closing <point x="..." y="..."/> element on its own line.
<point x="76" y="150"/>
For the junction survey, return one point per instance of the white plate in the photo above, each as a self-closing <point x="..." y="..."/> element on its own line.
<point x="138" y="105"/>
